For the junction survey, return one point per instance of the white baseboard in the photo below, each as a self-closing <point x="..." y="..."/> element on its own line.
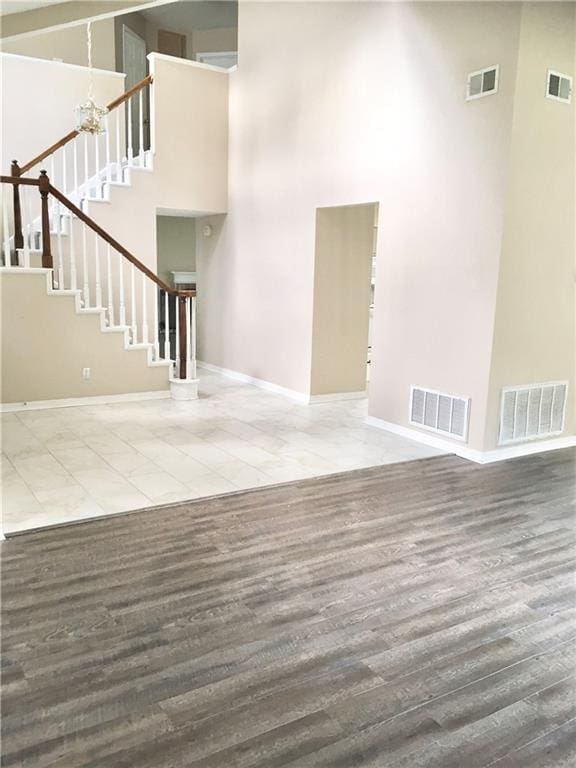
<point x="268" y="386"/>
<point x="472" y="454"/>
<point x="336" y="396"/>
<point x="70" y="402"/>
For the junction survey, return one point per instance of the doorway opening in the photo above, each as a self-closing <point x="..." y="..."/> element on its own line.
<point x="344" y="281"/>
<point x="176" y="266"/>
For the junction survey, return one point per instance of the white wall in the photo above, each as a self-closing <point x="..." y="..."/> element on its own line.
<point x="345" y="103"/>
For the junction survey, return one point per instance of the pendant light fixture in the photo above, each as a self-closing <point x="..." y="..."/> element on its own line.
<point x="89" y="114"/>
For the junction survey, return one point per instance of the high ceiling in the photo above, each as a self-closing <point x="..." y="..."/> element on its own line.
<point x="194" y="14"/>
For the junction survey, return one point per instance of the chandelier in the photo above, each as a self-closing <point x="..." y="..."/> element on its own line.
<point x="89" y="115"/>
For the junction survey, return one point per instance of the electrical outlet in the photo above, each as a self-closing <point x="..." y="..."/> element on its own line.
<point x="86" y="374"/>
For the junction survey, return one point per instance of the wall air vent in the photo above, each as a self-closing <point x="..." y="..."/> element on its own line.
<point x="439" y="412"/>
<point x="532" y="411"/>
<point x="559" y="87"/>
<point x="482" y="83"/>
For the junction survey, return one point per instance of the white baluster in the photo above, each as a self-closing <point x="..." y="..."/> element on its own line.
<point x="75" y="166"/>
<point x="156" y="329"/>
<point x="97" y="270"/>
<point x="99" y="190"/>
<point x="141" y="125"/>
<point x="52" y="176"/>
<point x="130" y="147"/>
<point x="86" y="287"/>
<point x="64" y="171"/>
<point x="177" y="350"/>
<point x="86" y="189"/>
<point x="61" y="284"/>
<point x="118" y="148"/>
<point x="133" y="303"/>
<point x="25" y="197"/>
<point x="144" y="309"/>
<point x="193" y="373"/>
<point x="7" y="259"/>
<point x="167" y="350"/>
<point x="110" y="291"/>
<point x="121" y="300"/>
<point x="107" y="140"/>
<point x="29" y="232"/>
<point x="188" y="337"/>
<point x="72" y="255"/>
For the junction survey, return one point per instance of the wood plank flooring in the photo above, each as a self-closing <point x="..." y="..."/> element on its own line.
<point x="417" y="615"/>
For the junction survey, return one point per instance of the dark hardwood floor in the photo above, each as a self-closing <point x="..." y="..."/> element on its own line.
<point x="418" y="615"/>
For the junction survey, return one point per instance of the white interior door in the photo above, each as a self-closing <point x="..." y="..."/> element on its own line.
<point x="134" y="61"/>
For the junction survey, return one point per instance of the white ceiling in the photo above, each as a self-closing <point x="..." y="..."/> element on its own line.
<point x="19" y="6"/>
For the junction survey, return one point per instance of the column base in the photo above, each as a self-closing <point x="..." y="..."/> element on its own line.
<point x="184" y="389"/>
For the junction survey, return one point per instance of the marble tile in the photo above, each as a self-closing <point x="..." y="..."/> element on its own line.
<point x="43" y="472"/>
<point x="210" y="485"/>
<point x="243" y="475"/>
<point x="129" y="464"/>
<point x="160" y="486"/>
<point x="71" y="503"/>
<point x="183" y="468"/>
<point x="71" y="463"/>
<point x="76" y="459"/>
<point x="206" y="453"/>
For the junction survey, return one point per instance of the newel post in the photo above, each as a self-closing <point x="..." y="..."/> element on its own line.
<point x="182" y="336"/>
<point x="18" y="236"/>
<point x="44" y="186"/>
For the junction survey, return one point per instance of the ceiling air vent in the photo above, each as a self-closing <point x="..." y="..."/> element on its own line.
<point x="439" y="412"/>
<point x="482" y="83"/>
<point x="532" y="411"/>
<point x="559" y="87"/>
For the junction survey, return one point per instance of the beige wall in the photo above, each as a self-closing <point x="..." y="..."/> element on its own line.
<point x="176" y="241"/>
<point x="44" y="351"/>
<point x="190" y="176"/>
<point x="342" y="271"/>
<point x="208" y="40"/>
<point x="69" y="45"/>
<point x="534" y="338"/>
<point x="392" y="126"/>
<point x="43" y="94"/>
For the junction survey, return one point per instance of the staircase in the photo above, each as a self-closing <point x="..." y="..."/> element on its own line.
<point x="46" y="225"/>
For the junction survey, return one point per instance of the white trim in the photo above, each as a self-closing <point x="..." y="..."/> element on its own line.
<point x="479" y="457"/>
<point x="268" y="386"/>
<point x="217" y="55"/>
<point x="62" y="64"/>
<point x="70" y="402"/>
<point x="334" y="397"/>
<point x="482" y="72"/>
<point x="562" y="76"/>
<point x="152" y="57"/>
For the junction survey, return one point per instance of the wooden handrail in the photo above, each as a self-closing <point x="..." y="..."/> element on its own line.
<point x="115" y="244"/>
<point x="69" y="136"/>
<point x="130" y="92"/>
<point x="17" y="180"/>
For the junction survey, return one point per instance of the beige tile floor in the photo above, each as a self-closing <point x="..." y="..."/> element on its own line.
<point x="65" y="464"/>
